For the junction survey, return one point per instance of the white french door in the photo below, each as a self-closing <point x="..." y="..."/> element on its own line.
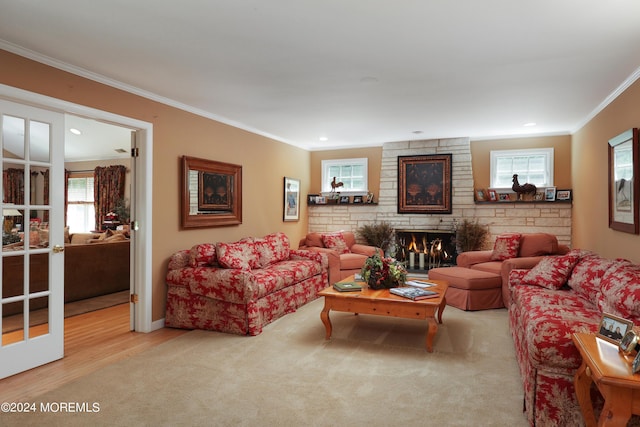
<point x="32" y="267"/>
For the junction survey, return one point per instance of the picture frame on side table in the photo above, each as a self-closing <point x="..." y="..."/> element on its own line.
<point x="291" y="207"/>
<point x="550" y="194"/>
<point x="424" y="184"/>
<point x="613" y="328"/>
<point x="624" y="182"/>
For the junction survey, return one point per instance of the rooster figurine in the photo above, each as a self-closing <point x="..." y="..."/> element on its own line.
<point x="335" y="184"/>
<point x="521" y="190"/>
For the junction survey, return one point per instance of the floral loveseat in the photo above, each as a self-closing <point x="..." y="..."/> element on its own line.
<point x="559" y="296"/>
<point x="241" y="287"/>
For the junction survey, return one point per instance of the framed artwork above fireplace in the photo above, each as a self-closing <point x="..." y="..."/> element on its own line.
<point x="424" y="184"/>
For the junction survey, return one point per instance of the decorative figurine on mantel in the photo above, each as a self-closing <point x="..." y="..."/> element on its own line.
<point x="335" y="185"/>
<point x="521" y="190"/>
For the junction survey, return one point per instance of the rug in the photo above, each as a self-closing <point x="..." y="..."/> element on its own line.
<point x="39" y="317"/>
<point x="374" y="371"/>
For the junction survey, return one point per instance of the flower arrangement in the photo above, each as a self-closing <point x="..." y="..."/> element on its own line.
<point x="380" y="273"/>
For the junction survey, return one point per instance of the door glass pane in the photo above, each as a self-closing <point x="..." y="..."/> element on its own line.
<point x="40" y="140"/>
<point x="39" y="316"/>
<point x="13" y="137"/>
<point x="38" y="273"/>
<point x="12" y="227"/>
<point x="38" y="229"/>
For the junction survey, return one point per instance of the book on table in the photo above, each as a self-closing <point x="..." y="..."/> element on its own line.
<point x="415" y="294"/>
<point x="347" y="286"/>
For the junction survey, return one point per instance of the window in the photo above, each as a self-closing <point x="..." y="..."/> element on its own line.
<point x="534" y="166"/>
<point x="81" y="212"/>
<point x="352" y="173"/>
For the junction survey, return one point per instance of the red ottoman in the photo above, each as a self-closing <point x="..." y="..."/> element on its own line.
<point x="470" y="289"/>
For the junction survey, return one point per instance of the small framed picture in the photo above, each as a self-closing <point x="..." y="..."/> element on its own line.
<point x="370" y="198"/>
<point x="563" y="195"/>
<point x="539" y="196"/>
<point x="481" y="195"/>
<point x="550" y="194"/>
<point x="321" y="200"/>
<point x="357" y="199"/>
<point x="635" y="366"/>
<point x="344" y="200"/>
<point x="504" y="197"/>
<point x="311" y="199"/>
<point x="493" y="195"/>
<point x="613" y="328"/>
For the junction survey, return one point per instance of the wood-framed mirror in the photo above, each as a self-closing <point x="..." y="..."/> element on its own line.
<point x="211" y="193"/>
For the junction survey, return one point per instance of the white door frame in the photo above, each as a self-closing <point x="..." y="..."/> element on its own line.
<point x="142" y="250"/>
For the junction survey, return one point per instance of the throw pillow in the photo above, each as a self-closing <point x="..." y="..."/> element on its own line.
<point x="621" y="291"/>
<point x="240" y="255"/>
<point x="506" y="247"/>
<point x="335" y="242"/>
<point x="272" y="248"/>
<point x="552" y="272"/>
<point x="203" y="254"/>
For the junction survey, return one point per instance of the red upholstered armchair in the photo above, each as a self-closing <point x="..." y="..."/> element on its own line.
<point x="346" y="257"/>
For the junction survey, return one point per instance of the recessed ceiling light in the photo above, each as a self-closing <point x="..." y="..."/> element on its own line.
<point x="75" y="131"/>
<point x="417" y="132"/>
<point x="323" y="138"/>
<point x="529" y="124"/>
<point x="369" y="80"/>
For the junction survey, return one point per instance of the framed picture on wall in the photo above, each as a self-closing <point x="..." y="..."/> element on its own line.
<point x="424" y="184"/>
<point x="291" y="199"/>
<point x="624" y="183"/>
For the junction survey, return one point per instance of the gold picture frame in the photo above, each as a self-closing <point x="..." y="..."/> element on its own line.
<point x="424" y="184"/>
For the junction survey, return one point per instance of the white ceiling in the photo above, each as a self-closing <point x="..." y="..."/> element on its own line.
<point x="360" y="72"/>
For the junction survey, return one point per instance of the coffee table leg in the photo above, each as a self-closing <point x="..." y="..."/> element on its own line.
<point x="431" y="333"/>
<point x="441" y="307"/>
<point x="324" y="316"/>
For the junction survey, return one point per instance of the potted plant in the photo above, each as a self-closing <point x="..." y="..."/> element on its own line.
<point x="470" y="235"/>
<point x="378" y="234"/>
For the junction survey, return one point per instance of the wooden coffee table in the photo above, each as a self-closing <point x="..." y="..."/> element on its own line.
<point x="383" y="303"/>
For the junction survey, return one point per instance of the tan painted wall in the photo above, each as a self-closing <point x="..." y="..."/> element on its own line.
<point x="481" y="155"/>
<point x="176" y="133"/>
<point x="373" y="154"/>
<point x="590" y="179"/>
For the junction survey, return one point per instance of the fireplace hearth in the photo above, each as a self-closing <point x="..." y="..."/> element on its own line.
<point x="422" y="250"/>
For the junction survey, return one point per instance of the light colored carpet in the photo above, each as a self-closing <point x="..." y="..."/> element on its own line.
<point x="374" y="371"/>
<point x="38" y="317"/>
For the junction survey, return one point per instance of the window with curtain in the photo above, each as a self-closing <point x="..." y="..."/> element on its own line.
<point x="81" y="212"/>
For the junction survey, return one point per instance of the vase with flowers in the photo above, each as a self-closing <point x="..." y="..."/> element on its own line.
<point x="383" y="273"/>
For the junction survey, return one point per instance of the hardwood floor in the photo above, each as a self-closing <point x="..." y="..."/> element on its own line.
<point x="91" y="341"/>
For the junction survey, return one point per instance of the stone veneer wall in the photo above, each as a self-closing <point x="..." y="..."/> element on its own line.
<point x="548" y="217"/>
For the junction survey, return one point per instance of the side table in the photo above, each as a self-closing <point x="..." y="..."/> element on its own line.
<point x="605" y="366"/>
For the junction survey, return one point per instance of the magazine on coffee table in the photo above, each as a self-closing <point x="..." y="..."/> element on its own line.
<point x="415" y="294"/>
<point x="419" y="283"/>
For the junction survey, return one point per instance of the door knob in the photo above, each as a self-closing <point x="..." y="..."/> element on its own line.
<point x="58" y="249"/>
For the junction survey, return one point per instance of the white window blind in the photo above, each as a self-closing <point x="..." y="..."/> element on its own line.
<point x="352" y="173"/>
<point x="533" y="166"/>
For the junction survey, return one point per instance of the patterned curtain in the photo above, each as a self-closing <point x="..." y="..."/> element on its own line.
<point x="108" y="189"/>
<point x="13" y="182"/>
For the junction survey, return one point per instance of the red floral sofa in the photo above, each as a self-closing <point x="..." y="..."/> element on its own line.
<point x="241" y="287"/>
<point x="559" y="296"/>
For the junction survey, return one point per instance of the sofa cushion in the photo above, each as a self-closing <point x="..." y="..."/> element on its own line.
<point x="552" y="272"/>
<point x="271" y="249"/>
<point x="314" y="240"/>
<point x="351" y="261"/>
<point x="537" y="244"/>
<point x="506" y="246"/>
<point x="240" y="255"/>
<point x="203" y="254"/>
<point x="621" y="291"/>
<point x="548" y="318"/>
<point x="335" y="242"/>
<point x="587" y="274"/>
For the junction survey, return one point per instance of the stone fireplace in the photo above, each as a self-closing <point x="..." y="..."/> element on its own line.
<point x="554" y="218"/>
